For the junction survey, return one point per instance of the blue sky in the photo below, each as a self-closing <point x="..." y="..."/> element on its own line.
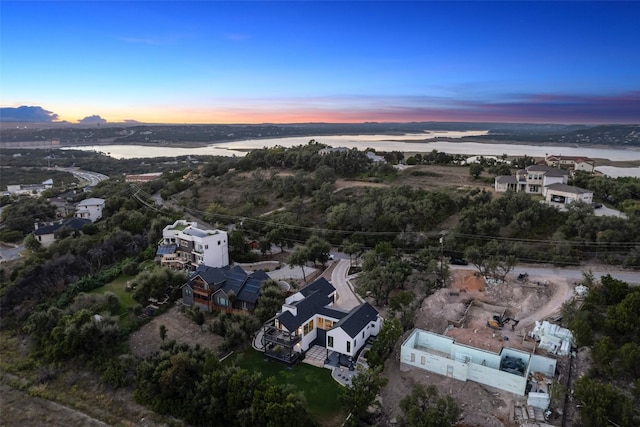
<point x="334" y="61"/>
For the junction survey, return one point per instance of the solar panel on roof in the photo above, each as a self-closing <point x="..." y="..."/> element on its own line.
<point x="166" y="249"/>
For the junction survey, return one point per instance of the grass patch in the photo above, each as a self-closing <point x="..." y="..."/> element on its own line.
<point x="320" y="390"/>
<point x="119" y="287"/>
<point x="425" y="173"/>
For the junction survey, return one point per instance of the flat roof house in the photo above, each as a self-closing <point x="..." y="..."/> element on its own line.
<point x="516" y="371"/>
<point x="308" y="318"/>
<point x="184" y="246"/>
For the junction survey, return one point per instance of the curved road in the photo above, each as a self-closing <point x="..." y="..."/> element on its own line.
<point x="92" y="178"/>
<point x="347" y="299"/>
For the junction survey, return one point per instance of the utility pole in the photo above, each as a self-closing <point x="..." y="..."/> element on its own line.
<point x="442" y="235"/>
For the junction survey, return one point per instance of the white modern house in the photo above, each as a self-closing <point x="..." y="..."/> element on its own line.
<point x="90" y="209"/>
<point x="184" y="246"/>
<point x="510" y="370"/>
<point x="308" y="318"/>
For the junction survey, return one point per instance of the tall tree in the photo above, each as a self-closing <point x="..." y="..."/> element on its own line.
<point x="362" y="392"/>
<point x="300" y="257"/>
<point x="425" y="408"/>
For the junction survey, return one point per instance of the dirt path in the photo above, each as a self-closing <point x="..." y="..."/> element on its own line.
<point x="563" y="292"/>
<point x="19" y="409"/>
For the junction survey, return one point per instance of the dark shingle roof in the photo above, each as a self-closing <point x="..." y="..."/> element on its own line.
<point x="74" y="223"/>
<point x="357" y="319"/>
<point x="321" y="285"/>
<point x="306" y="309"/>
<point x="246" y="286"/>
<point x="316" y="302"/>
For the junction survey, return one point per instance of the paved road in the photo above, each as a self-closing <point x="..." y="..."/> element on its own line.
<point x="92" y="178"/>
<point x="8" y="253"/>
<point x="347" y="299"/>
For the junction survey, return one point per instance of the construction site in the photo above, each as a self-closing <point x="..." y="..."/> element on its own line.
<point x="495" y="348"/>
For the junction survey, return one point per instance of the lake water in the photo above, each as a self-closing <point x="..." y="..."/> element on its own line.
<point x="415" y="144"/>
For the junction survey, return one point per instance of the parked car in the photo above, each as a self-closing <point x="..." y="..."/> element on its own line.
<point x="596" y="205"/>
<point x="458" y="261"/>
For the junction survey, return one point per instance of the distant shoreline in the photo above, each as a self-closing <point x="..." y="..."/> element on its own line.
<point x="199" y="144"/>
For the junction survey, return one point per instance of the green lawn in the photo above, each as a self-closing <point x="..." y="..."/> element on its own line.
<point x="320" y="390"/>
<point x="118" y="287"/>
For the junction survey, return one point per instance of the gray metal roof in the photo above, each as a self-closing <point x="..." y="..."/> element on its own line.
<point x="506" y="179"/>
<point x="567" y="188"/>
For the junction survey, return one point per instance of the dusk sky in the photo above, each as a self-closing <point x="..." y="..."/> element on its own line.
<point x="329" y="61"/>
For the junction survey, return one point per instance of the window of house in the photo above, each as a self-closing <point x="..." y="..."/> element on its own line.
<point x="218" y="242"/>
<point x="330" y="341"/>
<point x="348" y="346"/>
<point x="362" y="334"/>
<point x="222" y="301"/>
<point x="308" y="327"/>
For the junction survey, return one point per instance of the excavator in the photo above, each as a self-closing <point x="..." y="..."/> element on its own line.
<point x="498" y="322"/>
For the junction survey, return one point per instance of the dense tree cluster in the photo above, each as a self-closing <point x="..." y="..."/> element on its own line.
<point x="190" y="383"/>
<point x="22" y="213"/>
<point x="425" y="408"/>
<point x="85" y="329"/>
<point x="609" y="321"/>
<point x="623" y="192"/>
<point x="157" y="282"/>
<point x="552" y="235"/>
<point x="392" y="210"/>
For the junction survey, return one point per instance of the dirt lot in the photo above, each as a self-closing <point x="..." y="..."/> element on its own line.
<point x="481" y="405"/>
<point x="147" y="340"/>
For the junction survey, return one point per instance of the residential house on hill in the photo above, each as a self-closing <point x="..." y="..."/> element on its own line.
<point x="223" y="288"/>
<point x="184" y="246"/>
<point x="308" y="318"/>
<point x="550" y="182"/>
<point x="329" y="150"/>
<point x="574" y="163"/>
<point x="46" y="234"/>
<point x="531" y="180"/>
<point x="30" y="189"/>
<point x="90" y="209"/>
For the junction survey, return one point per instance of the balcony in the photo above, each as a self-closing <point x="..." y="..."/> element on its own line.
<point x="273" y="335"/>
